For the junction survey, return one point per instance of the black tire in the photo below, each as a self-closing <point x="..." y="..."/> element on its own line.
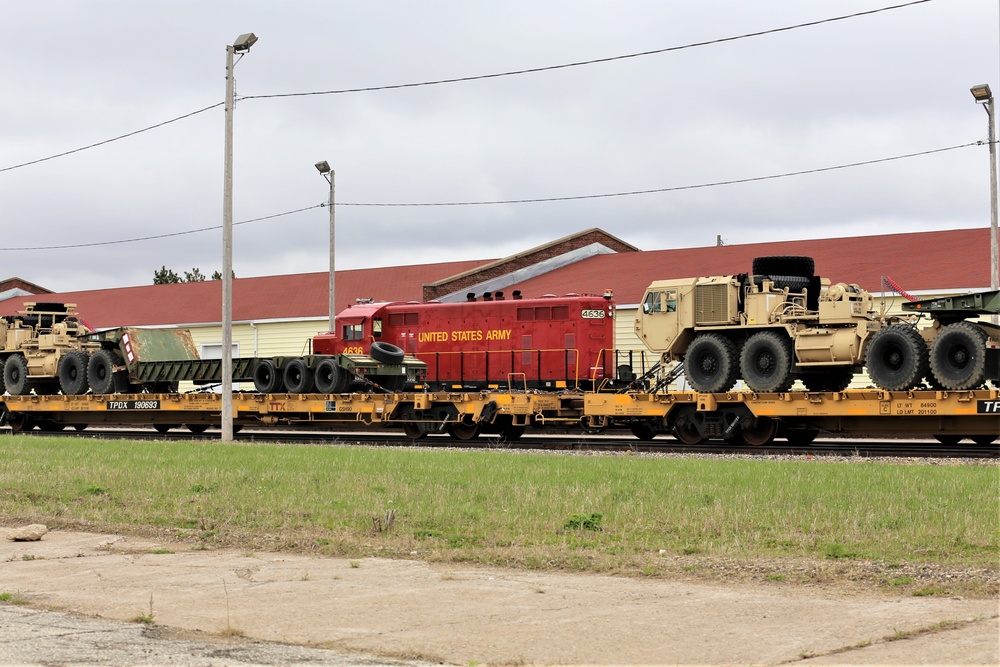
<point x="298" y="377"/>
<point x="896" y="358"/>
<point x="100" y="371"/>
<point x="73" y="373"/>
<point x="766" y="362"/>
<point x="15" y="375"/>
<point x="958" y="356"/>
<point x="266" y="378"/>
<point x="386" y="353"/>
<point x="785" y="265"/>
<point x="828" y="379"/>
<point x="643" y="430"/>
<point x="710" y="364"/>
<point x="330" y="378"/>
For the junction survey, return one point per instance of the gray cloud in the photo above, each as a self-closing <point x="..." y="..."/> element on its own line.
<point x="861" y="89"/>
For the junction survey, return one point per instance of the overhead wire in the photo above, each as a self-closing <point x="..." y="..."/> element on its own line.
<point x="593" y="61"/>
<point x="531" y="70"/>
<point x="514" y="201"/>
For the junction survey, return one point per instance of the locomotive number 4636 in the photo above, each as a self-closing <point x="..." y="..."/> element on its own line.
<point x="593" y="314"/>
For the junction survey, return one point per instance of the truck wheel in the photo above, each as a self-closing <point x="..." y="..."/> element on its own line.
<point x="766" y="362"/>
<point x="331" y="378"/>
<point x="391" y="382"/>
<point x="73" y="373"/>
<point x="15" y="375"/>
<point x="828" y="379"/>
<point x="785" y="265"/>
<point x="710" y="364"/>
<point x="100" y="371"/>
<point x="896" y="358"/>
<point x="266" y="378"/>
<point x="958" y="356"/>
<point x="386" y="353"/>
<point x="298" y="377"/>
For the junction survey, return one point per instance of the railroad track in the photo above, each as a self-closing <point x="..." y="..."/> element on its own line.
<point x="566" y="442"/>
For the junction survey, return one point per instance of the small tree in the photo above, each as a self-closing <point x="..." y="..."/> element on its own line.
<point x="165" y="276"/>
<point x="194" y="276"/>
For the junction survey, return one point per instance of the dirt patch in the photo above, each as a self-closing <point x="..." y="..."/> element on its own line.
<point x="467" y="615"/>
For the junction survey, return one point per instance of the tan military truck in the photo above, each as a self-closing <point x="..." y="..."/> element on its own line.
<point x="40" y="350"/>
<point x="770" y="327"/>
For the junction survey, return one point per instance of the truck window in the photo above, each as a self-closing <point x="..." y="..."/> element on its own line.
<point x="376" y="327"/>
<point x="652" y="303"/>
<point x="671" y="299"/>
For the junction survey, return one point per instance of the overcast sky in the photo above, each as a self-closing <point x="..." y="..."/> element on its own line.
<point x="882" y="85"/>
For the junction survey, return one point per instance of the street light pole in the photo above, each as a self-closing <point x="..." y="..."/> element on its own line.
<point x="984" y="95"/>
<point x="241" y="45"/>
<point x="324" y="169"/>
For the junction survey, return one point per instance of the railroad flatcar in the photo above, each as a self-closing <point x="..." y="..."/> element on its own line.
<point x="551" y="342"/>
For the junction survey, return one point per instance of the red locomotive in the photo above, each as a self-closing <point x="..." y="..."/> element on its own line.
<point x="545" y="343"/>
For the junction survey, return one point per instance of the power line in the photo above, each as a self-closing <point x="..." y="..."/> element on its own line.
<point x="516" y="201"/>
<point x="676" y="188"/>
<point x="164" y="236"/>
<point x="108" y="141"/>
<point x="478" y="77"/>
<point x="594" y="61"/>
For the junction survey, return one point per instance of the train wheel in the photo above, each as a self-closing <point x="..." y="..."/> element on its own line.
<point x="298" y="377"/>
<point x="197" y="428"/>
<point x="896" y="358"/>
<point x="710" y="364"/>
<point x="948" y="439"/>
<point x="983" y="440"/>
<point x="958" y="356"/>
<point x="331" y="378"/>
<point x="760" y="431"/>
<point x="266" y="378"/>
<point x="387" y="353"/>
<point x="72" y="373"/>
<point x="686" y="430"/>
<point x="766" y="362"/>
<point x="15" y="375"/>
<point x="642" y="430"/>
<point x="100" y="371"/>
<point x="800" y="437"/>
<point x="464" y="431"/>
<point x="511" y="433"/>
<point x="163" y="428"/>
<point x="413" y="431"/>
<point x="19" y="422"/>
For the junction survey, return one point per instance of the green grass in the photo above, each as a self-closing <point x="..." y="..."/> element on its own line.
<point x="593" y="513"/>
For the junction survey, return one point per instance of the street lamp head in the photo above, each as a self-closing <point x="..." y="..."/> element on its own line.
<point x="982" y="92"/>
<point x="323" y="167"/>
<point x="244" y="42"/>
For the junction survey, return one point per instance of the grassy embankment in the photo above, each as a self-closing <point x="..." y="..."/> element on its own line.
<point x="628" y="514"/>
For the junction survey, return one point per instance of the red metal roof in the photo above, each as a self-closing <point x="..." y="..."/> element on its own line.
<point x="294" y="296"/>
<point x="954" y="259"/>
<point x="958" y="259"/>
